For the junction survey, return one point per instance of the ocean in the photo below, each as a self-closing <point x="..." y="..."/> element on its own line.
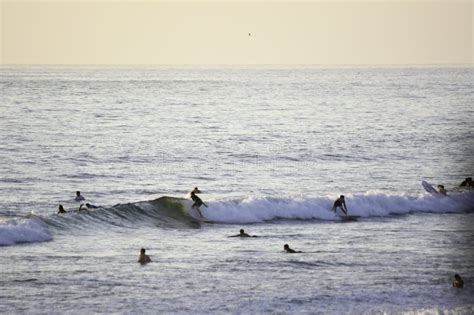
<point x="270" y="148"/>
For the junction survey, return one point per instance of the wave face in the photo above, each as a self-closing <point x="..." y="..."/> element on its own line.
<point x="368" y="205"/>
<point x="171" y="212"/>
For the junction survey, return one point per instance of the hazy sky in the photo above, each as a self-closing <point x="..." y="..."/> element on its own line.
<point x="310" y="32"/>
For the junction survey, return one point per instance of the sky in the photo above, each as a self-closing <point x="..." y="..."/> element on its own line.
<point x="237" y="32"/>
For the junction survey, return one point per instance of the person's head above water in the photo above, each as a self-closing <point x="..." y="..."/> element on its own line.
<point x="196" y="191"/>
<point x="61" y="209"/>
<point x="458" y="281"/>
<point x="341" y="196"/>
<point x="142" y="251"/>
<point x="286" y="246"/>
<point x="242" y="231"/>
<point x="78" y="193"/>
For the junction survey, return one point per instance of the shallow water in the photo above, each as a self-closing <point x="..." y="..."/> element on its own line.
<point x="270" y="148"/>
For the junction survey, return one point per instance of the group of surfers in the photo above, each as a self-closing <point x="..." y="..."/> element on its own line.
<point x="338" y="203"/>
<point x="143" y="259"/>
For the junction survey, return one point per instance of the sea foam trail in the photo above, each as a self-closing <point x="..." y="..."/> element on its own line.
<point x="23" y="231"/>
<point x="254" y="210"/>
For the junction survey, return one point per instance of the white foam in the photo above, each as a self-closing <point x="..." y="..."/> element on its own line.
<point x="254" y="210"/>
<point x="23" y="231"/>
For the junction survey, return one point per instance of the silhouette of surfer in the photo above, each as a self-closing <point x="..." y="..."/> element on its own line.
<point x="61" y="209"/>
<point x="79" y="197"/>
<point x="243" y="234"/>
<point x="442" y="190"/>
<point x="197" y="201"/>
<point x="340" y="203"/>
<point x="143" y="258"/>
<point x="88" y="206"/>
<point x="467" y="183"/>
<point x="289" y="250"/>
<point x="458" y="282"/>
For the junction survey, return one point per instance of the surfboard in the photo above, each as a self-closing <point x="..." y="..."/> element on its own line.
<point x="195" y="215"/>
<point x="429" y="188"/>
<point x="347" y="218"/>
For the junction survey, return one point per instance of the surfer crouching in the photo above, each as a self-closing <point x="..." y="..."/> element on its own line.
<point x="197" y="201"/>
<point x="144" y="258"/>
<point x="340" y="203"/>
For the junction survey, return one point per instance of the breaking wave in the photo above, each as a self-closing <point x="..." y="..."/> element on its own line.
<point x="171" y="212"/>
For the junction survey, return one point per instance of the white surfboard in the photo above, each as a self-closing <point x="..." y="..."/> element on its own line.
<point x="429" y="188"/>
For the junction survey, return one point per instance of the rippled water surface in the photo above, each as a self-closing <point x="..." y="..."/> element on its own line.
<point x="270" y="148"/>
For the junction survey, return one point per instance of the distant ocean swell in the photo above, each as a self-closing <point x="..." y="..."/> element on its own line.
<point x="174" y="212"/>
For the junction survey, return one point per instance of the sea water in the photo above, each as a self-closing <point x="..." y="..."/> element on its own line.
<point x="270" y="148"/>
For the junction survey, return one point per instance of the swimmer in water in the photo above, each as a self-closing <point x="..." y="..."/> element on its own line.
<point x="243" y="234"/>
<point x="61" y="209"/>
<point x="458" y="282"/>
<point x="144" y="258"/>
<point x="79" y="197"/>
<point x="287" y="249"/>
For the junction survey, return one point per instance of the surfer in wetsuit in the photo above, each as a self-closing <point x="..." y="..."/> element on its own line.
<point x="467" y="183"/>
<point x="79" y="197"/>
<point x="197" y="201"/>
<point x="340" y="203"/>
<point x="61" y="209"/>
<point x="243" y="234"/>
<point x="143" y="258"/>
<point x="442" y="190"/>
<point x="289" y="250"/>
<point x="458" y="282"/>
<point x="87" y="207"/>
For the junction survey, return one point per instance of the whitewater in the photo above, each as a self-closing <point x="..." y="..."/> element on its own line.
<point x="270" y="148"/>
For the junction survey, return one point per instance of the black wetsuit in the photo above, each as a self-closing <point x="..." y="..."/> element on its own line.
<point x="197" y="201"/>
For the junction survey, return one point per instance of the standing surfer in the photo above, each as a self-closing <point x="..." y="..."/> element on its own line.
<point x="197" y="201"/>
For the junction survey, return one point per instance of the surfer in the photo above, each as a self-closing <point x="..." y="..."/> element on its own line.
<point x="442" y="190"/>
<point x="458" y="282"/>
<point x="144" y="258"/>
<point x="287" y="249"/>
<point x="79" y="197"/>
<point x="197" y="201"/>
<point x="340" y="203"/>
<point x="467" y="183"/>
<point x="88" y="206"/>
<point x="243" y="234"/>
<point x="61" y="209"/>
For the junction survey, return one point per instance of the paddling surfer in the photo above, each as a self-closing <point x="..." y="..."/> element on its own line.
<point x="289" y="250"/>
<point x="243" y="234"/>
